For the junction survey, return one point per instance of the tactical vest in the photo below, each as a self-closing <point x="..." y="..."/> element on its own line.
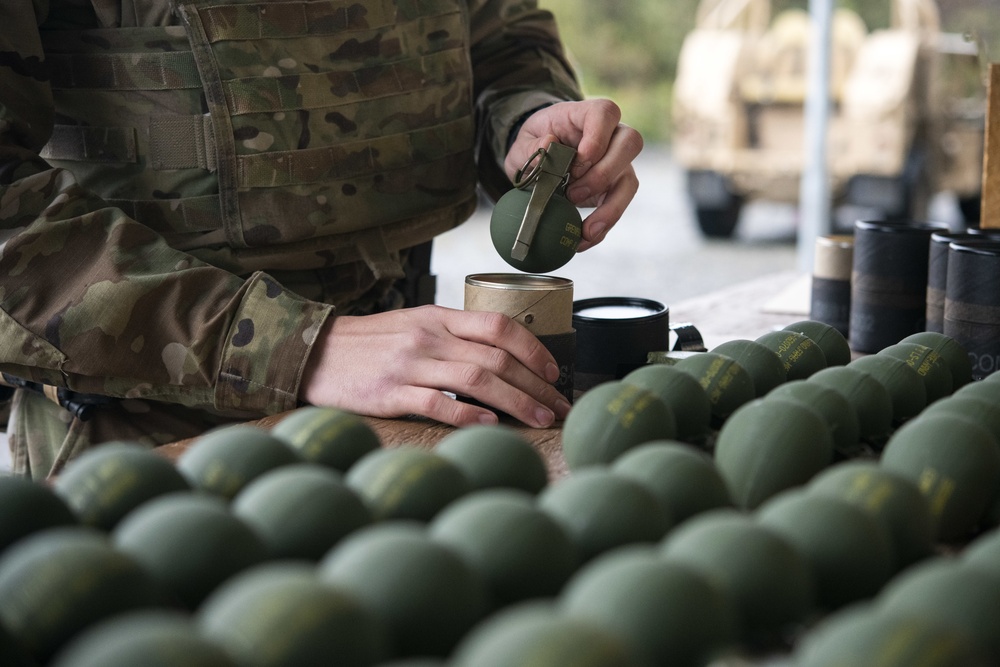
<point x="275" y="134"/>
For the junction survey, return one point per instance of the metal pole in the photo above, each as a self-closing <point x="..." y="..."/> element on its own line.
<point x="814" y="192"/>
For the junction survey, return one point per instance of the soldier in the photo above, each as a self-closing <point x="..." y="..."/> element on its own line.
<point x="209" y="209"/>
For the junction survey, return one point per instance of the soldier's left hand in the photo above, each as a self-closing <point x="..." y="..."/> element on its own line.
<point x="602" y="176"/>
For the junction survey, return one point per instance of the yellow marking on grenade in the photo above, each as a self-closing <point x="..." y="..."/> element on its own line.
<point x="937" y="488"/>
<point x="878" y="496"/>
<point x="628" y="418"/>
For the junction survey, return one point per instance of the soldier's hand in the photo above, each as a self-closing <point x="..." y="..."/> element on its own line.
<point x="399" y="363"/>
<point x="602" y="175"/>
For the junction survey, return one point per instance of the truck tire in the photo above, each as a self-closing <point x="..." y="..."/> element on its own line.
<point x="971" y="208"/>
<point x="716" y="206"/>
<point x="719" y="222"/>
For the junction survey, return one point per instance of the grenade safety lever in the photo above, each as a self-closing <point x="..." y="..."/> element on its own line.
<point x="549" y="174"/>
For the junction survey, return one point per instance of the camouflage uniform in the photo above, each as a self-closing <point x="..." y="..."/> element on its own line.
<point x="189" y="189"/>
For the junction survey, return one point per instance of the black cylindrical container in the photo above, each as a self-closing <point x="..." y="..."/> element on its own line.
<point x="937" y="272"/>
<point x="614" y="335"/>
<point x="888" y="282"/>
<point x="830" y="299"/>
<point x="972" y="302"/>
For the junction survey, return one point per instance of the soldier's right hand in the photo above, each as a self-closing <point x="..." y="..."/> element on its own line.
<point x="401" y="362"/>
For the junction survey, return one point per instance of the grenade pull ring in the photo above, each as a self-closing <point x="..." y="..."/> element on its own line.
<point x="548" y="174"/>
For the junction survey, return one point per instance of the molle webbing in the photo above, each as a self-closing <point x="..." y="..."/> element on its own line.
<point x="276" y="124"/>
<point x="363" y="158"/>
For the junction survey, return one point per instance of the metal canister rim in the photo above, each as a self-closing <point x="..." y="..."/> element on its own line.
<point x="518" y="281"/>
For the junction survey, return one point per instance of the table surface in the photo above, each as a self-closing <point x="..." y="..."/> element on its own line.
<point x="743" y="311"/>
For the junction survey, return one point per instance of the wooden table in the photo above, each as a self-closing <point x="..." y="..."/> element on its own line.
<point x="736" y="312"/>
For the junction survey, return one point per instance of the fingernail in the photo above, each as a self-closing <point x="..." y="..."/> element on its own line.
<point x="544" y="417"/>
<point x="488" y="419"/>
<point x="597" y="231"/>
<point x="562" y="409"/>
<point x="551" y="372"/>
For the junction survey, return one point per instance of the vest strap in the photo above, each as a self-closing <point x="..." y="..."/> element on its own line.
<point x="375" y="252"/>
<point x="353" y="159"/>
<point x="182" y="142"/>
<point x="172" y="70"/>
<point x="91" y="144"/>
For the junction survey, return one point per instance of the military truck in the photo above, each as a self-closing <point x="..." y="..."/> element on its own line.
<point x="907" y="111"/>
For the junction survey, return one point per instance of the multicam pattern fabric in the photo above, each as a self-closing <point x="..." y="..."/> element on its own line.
<point x="188" y="190"/>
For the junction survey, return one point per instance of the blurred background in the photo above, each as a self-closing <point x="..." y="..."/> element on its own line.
<point x="717" y="88"/>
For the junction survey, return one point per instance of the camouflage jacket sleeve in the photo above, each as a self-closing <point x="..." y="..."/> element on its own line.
<point x="519" y="65"/>
<point x="96" y="302"/>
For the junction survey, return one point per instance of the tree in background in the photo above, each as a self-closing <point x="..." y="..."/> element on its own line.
<point x="627" y="49"/>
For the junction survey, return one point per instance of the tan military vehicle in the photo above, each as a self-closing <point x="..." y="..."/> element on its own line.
<point x="907" y="111"/>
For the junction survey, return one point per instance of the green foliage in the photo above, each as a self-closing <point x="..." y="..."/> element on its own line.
<point x="627" y="50"/>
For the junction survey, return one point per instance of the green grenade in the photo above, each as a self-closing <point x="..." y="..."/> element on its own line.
<point x="956" y="464"/>
<point x="762" y="363"/>
<point x="223" y="461"/>
<point x="28" y="507"/>
<point x="537" y="231"/>
<point x="801" y="355"/>
<point x="682" y="393"/>
<point x="835" y="348"/>
<point x="423" y="592"/>
<point x="954" y="353"/>
<point x="188" y="542"/>
<point x="768" y="580"/>
<point x="602" y="510"/>
<point x="928" y="363"/>
<point x="406" y="482"/>
<point x="907" y="389"/>
<point x="860" y="635"/>
<point x="867" y="395"/>
<point x="280" y="613"/>
<point x="984" y="552"/>
<point x="726" y="382"/>
<point x="670" y="613"/>
<point x="58" y="582"/>
<point x="611" y="419"/>
<point x="536" y="633"/>
<point x="849" y="550"/>
<point x="770" y="445"/>
<point x="892" y="499"/>
<point x="684" y="479"/>
<point x="495" y="457"/>
<point x="327" y="436"/>
<point x="151" y="638"/>
<point x="950" y="593"/>
<point x="301" y="510"/>
<point x="839" y="414"/>
<point x="109" y="481"/>
<point x="520" y="551"/>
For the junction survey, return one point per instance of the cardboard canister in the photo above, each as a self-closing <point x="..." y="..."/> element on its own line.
<point x="543" y="304"/>
<point x="830" y="300"/>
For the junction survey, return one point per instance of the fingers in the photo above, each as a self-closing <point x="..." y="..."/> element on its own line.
<point x="595" y="173"/>
<point x="502" y="332"/>
<point x="610" y="208"/>
<point x="400" y="362"/>
<point x="602" y="175"/>
<point x="523" y="396"/>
